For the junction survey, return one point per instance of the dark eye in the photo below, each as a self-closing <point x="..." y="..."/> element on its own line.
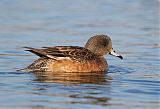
<point x="104" y="43"/>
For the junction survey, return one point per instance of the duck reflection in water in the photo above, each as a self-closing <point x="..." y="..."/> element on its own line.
<point x="73" y="77"/>
<point x="84" y="88"/>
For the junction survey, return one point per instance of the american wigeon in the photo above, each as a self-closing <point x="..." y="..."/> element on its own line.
<point x="73" y="58"/>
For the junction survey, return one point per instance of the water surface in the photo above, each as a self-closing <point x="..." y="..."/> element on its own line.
<point x="130" y="83"/>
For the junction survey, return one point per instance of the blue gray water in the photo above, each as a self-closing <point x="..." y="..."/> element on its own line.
<point x="131" y="83"/>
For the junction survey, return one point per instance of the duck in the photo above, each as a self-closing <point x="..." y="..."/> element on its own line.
<point x="89" y="58"/>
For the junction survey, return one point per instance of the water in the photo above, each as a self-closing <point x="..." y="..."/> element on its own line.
<point x="130" y="83"/>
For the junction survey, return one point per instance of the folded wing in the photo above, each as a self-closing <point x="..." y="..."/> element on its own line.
<point x="59" y="52"/>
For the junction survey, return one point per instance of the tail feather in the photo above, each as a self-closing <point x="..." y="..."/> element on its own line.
<point x="37" y="52"/>
<point x="25" y="70"/>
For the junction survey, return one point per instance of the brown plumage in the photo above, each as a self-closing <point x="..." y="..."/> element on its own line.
<point x="73" y="58"/>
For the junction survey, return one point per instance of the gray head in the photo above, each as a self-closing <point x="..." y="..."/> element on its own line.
<point x="101" y="45"/>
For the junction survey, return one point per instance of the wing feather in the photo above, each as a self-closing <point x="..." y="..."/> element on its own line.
<point x="61" y="52"/>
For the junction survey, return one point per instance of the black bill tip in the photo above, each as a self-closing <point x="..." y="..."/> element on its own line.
<point x="120" y="57"/>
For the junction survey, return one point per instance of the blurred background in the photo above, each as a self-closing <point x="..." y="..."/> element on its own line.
<point x="133" y="26"/>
